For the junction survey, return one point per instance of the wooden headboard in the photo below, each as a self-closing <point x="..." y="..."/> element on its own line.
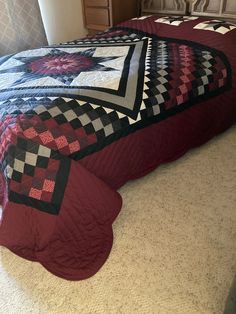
<point x="164" y="7"/>
<point x="223" y="9"/>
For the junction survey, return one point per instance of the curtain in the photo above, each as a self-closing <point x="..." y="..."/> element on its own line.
<point x="21" y="26"/>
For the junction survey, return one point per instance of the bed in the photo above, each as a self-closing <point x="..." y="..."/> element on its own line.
<point x="80" y="119"/>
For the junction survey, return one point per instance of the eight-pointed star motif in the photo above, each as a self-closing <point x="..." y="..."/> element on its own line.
<point x="59" y="65"/>
<point x="218" y="26"/>
<point x="175" y="20"/>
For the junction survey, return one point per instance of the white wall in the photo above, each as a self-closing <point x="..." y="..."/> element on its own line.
<point x="62" y="19"/>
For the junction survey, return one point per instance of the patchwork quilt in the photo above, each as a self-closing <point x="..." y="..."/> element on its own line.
<point x="61" y="103"/>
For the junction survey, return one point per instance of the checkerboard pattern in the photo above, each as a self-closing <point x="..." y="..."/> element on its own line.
<point x="67" y="125"/>
<point x="109" y="36"/>
<point x="172" y="80"/>
<point x="32" y="173"/>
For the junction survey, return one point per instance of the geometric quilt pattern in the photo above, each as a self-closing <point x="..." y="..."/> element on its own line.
<point x="35" y="174"/>
<point x="74" y="99"/>
<point x="175" y="20"/>
<point x="218" y="26"/>
<point x="95" y="73"/>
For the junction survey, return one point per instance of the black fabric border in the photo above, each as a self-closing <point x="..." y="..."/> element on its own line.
<point x="52" y="208"/>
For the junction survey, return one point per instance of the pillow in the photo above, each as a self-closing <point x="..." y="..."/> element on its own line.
<point x="175" y="20"/>
<point x="218" y="26"/>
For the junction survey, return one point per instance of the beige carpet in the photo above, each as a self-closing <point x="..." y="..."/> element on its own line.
<point x="174" y="249"/>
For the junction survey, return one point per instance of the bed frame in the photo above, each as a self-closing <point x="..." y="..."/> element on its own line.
<point x="223" y="9"/>
<point x="163" y="7"/>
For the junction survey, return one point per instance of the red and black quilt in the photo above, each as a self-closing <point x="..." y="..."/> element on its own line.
<point x="59" y="104"/>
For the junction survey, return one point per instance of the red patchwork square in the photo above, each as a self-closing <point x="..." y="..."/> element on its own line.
<point x="180" y="99"/>
<point x="186" y="63"/>
<point x="16" y="128"/>
<point x="46" y="137"/>
<point x="48" y="186"/>
<point x="3" y="145"/>
<point x="74" y="147"/>
<point x="224" y="73"/>
<point x="186" y="71"/>
<point x="184" y="79"/>
<point x="61" y="142"/>
<point x="221" y="82"/>
<point x="30" y="133"/>
<point x="35" y="193"/>
<point x="183" y="89"/>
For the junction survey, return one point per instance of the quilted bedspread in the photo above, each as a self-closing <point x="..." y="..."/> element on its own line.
<point x="60" y="104"/>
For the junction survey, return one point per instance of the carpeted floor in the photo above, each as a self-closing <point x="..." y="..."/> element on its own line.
<point x="174" y="249"/>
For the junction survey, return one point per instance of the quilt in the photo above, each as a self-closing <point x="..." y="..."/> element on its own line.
<point x="61" y="103"/>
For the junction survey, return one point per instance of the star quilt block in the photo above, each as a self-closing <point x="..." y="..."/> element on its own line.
<point x="175" y="20"/>
<point x="218" y="26"/>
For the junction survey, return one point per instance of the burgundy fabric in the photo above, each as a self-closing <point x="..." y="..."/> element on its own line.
<point x="75" y="244"/>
